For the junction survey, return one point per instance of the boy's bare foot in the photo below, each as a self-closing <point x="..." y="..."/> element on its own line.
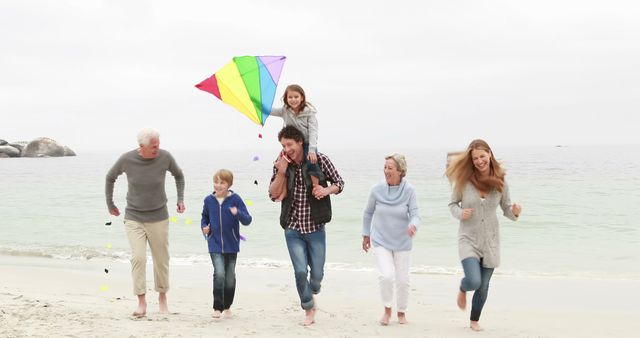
<point x="141" y="311"/>
<point x="162" y="300"/>
<point x="310" y="317"/>
<point x="402" y="318"/>
<point x="216" y="314"/>
<point x="475" y="326"/>
<point x="227" y="313"/>
<point x="462" y="300"/>
<point x="384" y="321"/>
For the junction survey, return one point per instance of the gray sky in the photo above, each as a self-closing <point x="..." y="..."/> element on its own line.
<point x="396" y="74"/>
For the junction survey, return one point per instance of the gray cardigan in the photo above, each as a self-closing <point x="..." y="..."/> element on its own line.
<point x="479" y="236"/>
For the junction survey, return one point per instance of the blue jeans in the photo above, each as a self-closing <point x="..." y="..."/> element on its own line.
<point x="476" y="278"/>
<point x="224" y="279"/>
<point x="307" y="252"/>
<point x="312" y="168"/>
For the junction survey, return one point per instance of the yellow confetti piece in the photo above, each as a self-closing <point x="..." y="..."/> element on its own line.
<point x="104" y="287"/>
<point x="173" y="219"/>
<point x="109" y="246"/>
<point x="187" y="221"/>
<point x="249" y="202"/>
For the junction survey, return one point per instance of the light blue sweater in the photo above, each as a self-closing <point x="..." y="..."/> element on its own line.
<point x="389" y="212"/>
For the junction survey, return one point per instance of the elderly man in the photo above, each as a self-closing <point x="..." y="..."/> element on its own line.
<point x="146" y="217"/>
<point x="304" y="211"/>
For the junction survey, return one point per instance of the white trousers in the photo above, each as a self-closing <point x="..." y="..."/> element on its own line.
<point x="393" y="265"/>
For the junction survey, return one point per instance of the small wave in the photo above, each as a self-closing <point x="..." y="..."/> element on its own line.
<point x="184" y="259"/>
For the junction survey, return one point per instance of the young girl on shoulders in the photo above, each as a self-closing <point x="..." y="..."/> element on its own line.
<point x="301" y="114"/>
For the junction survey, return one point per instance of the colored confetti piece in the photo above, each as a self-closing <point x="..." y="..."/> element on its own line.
<point x="259" y="135"/>
<point x="249" y="202"/>
<point x="173" y="219"/>
<point x="256" y="158"/>
<point x="109" y="246"/>
<point x="188" y="221"/>
<point x="104" y="287"/>
<point x="242" y="238"/>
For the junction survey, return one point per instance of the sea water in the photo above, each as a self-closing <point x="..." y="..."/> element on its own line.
<point x="578" y="214"/>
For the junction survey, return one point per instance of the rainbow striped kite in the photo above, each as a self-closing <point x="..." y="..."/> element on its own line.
<point x="247" y="83"/>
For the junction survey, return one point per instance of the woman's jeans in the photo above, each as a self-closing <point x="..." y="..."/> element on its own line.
<point x="476" y="278"/>
<point x="307" y="252"/>
<point x="224" y="279"/>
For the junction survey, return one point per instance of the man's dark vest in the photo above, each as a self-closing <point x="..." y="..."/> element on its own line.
<point x="320" y="209"/>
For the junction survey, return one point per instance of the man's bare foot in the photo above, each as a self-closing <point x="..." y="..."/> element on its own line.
<point x="475" y="326"/>
<point x="310" y="317"/>
<point x="462" y="300"/>
<point x="402" y="318"/>
<point x="141" y="311"/>
<point x="227" y="313"/>
<point x="384" y="321"/>
<point x="162" y="300"/>
<point x="217" y="314"/>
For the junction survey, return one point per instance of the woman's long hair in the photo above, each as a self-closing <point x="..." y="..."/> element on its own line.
<point x="461" y="170"/>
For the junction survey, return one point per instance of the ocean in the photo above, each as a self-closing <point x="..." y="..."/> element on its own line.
<point x="577" y="218"/>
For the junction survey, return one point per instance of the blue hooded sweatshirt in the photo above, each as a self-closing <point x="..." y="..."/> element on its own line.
<point x="224" y="234"/>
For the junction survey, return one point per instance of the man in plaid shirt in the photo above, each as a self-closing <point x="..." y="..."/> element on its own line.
<point x="305" y="210"/>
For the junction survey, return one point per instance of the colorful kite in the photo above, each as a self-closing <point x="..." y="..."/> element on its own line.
<point x="247" y="83"/>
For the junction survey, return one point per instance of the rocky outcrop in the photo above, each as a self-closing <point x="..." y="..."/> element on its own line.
<point x="40" y="147"/>
<point x="9" y="151"/>
<point x="68" y="152"/>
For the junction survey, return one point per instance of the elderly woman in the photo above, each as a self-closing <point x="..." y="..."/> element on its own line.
<point x="146" y="217"/>
<point x="390" y="221"/>
<point x="479" y="188"/>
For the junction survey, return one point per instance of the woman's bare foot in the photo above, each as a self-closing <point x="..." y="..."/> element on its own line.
<point x="216" y="314"/>
<point x="227" y="313"/>
<point x="462" y="300"/>
<point x="384" y="321"/>
<point x="162" y="300"/>
<point x="310" y="317"/>
<point x="141" y="311"/>
<point x="475" y="326"/>
<point x="402" y="318"/>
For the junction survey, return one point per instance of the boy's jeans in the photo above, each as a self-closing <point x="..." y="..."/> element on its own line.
<point x="224" y="279"/>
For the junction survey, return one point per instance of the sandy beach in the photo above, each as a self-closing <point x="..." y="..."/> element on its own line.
<point x="46" y="297"/>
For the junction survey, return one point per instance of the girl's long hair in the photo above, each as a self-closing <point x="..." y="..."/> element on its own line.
<point x="461" y="170"/>
<point x="299" y="90"/>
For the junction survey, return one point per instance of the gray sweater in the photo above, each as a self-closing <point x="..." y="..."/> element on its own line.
<point x="305" y="121"/>
<point x="146" y="197"/>
<point x="479" y="236"/>
<point x="389" y="212"/>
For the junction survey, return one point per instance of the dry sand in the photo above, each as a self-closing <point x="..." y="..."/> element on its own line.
<point x="47" y="297"/>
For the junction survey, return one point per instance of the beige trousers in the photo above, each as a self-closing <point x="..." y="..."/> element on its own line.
<point x="157" y="234"/>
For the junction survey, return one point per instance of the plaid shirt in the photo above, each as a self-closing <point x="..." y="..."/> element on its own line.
<point x="300" y="218"/>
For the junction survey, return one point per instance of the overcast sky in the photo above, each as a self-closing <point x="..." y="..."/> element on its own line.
<point x="396" y="74"/>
